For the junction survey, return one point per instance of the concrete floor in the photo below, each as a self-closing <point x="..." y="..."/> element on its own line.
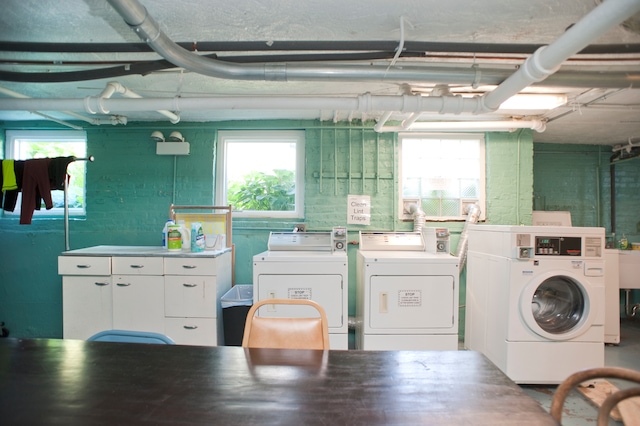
<point x="578" y="410"/>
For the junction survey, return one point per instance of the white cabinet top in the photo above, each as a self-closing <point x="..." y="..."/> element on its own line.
<point x="140" y="251"/>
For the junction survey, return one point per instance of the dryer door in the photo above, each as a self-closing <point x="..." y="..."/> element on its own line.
<point x="557" y="306"/>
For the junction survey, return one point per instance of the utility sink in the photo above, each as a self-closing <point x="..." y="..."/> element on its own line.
<point x="630" y="269"/>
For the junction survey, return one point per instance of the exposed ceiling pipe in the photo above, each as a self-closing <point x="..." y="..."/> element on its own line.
<point x="136" y="16"/>
<point x="95" y="121"/>
<point x="366" y="103"/>
<point x="115" y="87"/>
<point x="548" y="59"/>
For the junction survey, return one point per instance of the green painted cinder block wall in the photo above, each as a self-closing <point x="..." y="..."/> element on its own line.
<point x="129" y="190"/>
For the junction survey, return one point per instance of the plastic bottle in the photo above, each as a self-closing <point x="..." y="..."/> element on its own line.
<point x="174" y="238"/>
<point x="165" y="230"/>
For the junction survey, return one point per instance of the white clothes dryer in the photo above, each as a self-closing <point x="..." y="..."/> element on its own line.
<point x="535" y="299"/>
<point x="306" y="265"/>
<point x="406" y="298"/>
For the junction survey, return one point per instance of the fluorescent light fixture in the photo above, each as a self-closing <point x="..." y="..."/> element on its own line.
<point x="478" y="126"/>
<point x="531" y="101"/>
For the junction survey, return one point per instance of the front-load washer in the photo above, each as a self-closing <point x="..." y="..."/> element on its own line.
<point x="535" y="299"/>
<point x="406" y="298"/>
<point x="306" y="265"/>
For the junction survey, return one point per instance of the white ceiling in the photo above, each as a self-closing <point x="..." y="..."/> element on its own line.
<point x="596" y="113"/>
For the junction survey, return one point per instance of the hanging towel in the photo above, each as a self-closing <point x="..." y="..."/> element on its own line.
<point x="35" y="184"/>
<point x="8" y="175"/>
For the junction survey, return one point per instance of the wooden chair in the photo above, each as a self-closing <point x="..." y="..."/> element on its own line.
<point x="609" y="403"/>
<point x="286" y="332"/>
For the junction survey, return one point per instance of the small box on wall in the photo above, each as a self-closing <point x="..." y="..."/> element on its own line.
<point x="172" y="148"/>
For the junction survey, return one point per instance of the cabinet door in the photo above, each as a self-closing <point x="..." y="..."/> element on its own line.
<point x="86" y="306"/>
<point x="190" y="296"/>
<point x="138" y="303"/>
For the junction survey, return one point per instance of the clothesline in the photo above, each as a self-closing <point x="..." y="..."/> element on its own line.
<point x="35" y="178"/>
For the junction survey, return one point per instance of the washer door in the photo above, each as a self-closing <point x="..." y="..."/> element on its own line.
<point x="556" y="306"/>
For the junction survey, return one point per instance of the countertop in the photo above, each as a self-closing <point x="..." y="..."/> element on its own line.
<point x="149" y="251"/>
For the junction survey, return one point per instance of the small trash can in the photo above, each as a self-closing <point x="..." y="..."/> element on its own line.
<point x="235" y="306"/>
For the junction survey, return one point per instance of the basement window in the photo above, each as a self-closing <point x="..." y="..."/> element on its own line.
<point x="442" y="173"/>
<point x="261" y="173"/>
<point x="30" y="144"/>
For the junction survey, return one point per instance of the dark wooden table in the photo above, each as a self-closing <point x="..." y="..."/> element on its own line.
<point x="49" y="381"/>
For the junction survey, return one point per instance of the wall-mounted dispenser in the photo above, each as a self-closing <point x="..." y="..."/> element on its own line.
<point x="175" y="144"/>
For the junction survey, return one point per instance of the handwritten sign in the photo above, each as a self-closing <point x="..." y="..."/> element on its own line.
<point x="359" y="210"/>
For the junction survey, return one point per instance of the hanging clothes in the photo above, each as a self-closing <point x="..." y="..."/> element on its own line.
<point x="58" y="171"/>
<point x="11" y="196"/>
<point x="35" y="186"/>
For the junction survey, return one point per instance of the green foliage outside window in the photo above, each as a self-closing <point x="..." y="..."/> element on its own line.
<point x="263" y="192"/>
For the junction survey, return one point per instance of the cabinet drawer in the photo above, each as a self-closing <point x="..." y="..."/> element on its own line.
<point x="84" y="265"/>
<point x="192" y="331"/>
<point x="190" y="296"/>
<point x="190" y="266"/>
<point x="129" y="265"/>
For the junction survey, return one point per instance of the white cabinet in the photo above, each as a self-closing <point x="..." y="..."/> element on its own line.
<point x="86" y="296"/>
<point x="174" y="294"/>
<point x="193" y="288"/>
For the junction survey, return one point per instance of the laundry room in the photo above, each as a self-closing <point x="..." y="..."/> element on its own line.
<point x="391" y="198"/>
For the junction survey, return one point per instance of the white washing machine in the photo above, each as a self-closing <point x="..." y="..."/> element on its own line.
<point x="407" y="298"/>
<point x="535" y="299"/>
<point x="306" y="265"/>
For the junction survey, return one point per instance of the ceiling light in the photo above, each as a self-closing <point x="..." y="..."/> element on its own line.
<point x="479" y="126"/>
<point x="531" y="101"/>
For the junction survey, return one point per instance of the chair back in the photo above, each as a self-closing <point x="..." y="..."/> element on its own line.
<point x="616" y="397"/>
<point x="128" y="336"/>
<point x="286" y="332"/>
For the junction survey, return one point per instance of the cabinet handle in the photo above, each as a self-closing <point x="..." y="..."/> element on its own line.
<point x="123" y="284"/>
<point x="101" y="284"/>
<point x="189" y="285"/>
<point x="189" y="266"/>
<point x="83" y="266"/>
<point x="190" y="327"/>
<point x="137" y="266"/>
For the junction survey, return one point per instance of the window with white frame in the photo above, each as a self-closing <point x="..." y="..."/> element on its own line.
<point x="30" y="144"/>
<point x="261" y="173"/>
<point x="442" y="173"/>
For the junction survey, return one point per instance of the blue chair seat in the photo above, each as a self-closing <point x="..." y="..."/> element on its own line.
<point x="128" y="336"/>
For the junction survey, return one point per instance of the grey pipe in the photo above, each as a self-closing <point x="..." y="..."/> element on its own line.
<point x="598" y="21"/>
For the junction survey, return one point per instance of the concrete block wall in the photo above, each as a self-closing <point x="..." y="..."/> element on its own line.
<point x="129" y="190"/>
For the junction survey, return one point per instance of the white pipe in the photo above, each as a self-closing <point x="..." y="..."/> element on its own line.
<point x="114" y="119"/>
<point x="115" y="87"/>
<point x="548" y="59"/>
<point x="362" y="103"/>
<point x="470" y="126"/>
<point x="385" y="117"/>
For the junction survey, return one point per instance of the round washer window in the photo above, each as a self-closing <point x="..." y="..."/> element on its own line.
<point x="558" y="305"/>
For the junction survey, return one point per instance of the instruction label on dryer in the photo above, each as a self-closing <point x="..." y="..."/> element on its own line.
<point x="409" y="298"/>
<point x="300" y="293"/>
